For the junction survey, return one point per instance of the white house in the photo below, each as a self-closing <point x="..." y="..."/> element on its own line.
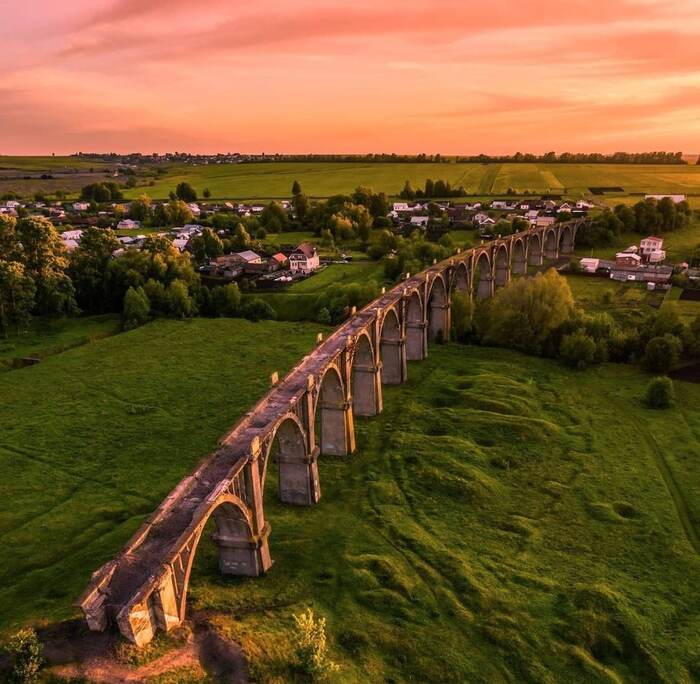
<point x="504" y="204"/>
<point x="249" y="257"/>
<point x="81" y="206"/>
<point x="304" y="258"/>
<point x="652" y="250"/>
<point x="584" y="204"/>
<point x="419" y="220"/>
<point x="128" y="224"/>
<point x="181" y="243"/>
<point x="589" y="265"/>
<point x="194" y="208"/>
<point x="12" y="204"/>
<point x="400" y="206"/>
<point x="72" y="235"/>
<point x="543" y="221"/>
<point x="483" y="219"/>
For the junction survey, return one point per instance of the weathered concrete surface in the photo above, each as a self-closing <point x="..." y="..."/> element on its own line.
<point x="144" y="588"/>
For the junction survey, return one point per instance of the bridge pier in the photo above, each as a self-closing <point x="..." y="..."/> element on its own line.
<point x="299" y="483"/>
<point x="416" y="347"/>
<point x="485" y="287"/>
<point x="440" y="320"/>
<point x="337" y="428"/>
<point x="393" y="361"/>
<point x="366" y="389"/>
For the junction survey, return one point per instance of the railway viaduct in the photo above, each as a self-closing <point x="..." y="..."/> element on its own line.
<point x="309" y="413"/>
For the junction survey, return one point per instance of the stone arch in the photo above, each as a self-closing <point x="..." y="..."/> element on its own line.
<point x="501" y="266"/>
<point x="519" y="256"/>
<point x="482" y="274"/>
<point x="566" y="241"/>
<point x="391" y="349"/>
<point x="239" y="549"/>
<point x="366" y="388"/>
<point x="534" y="250"/>
<point x="415" y="328"/>
<point x="550" y="244"/>
<point x="438" y="310"/>
<point x="297" y="470"/>
<point x="460" y="280"/>
<point x="331" y="414"/>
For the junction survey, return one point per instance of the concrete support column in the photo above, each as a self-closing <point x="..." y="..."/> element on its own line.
<point x="393" y="361"/>
<point x="440" y="321"/>
<point x="243" y="557"/>
<point x="260" y="529"/>
<point x="299" y="482"/>
<point x="337" y="429"/>
<point x="366" y="390"/>
<point x="485" y="288"/>
<point x="416" y="336"/>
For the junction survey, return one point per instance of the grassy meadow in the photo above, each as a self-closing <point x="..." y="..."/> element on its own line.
<point x="92" y="439"/>
<point x="496" y="524"/>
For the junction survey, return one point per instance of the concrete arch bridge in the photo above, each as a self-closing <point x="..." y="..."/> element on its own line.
<point x="310" y="412"/>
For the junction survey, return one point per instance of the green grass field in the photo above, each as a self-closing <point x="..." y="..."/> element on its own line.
<point x="93" y="438"/>
<point x="496" y="524"/>
<point x="45" y="337"/>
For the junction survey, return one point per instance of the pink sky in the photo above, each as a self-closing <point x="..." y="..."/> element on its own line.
<point x="455" y="76"/>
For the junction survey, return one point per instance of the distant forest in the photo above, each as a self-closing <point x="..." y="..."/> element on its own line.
<point x="383" y="158"/>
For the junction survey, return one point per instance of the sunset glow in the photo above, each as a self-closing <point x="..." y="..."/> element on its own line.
<point x="321" y="76"/>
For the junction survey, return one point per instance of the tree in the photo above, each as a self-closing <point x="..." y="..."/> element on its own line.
<point x="186" y="192"/>
<point x="524" y="313"/>
<point x="206" y="193"/>
<point x="226" y="300"/>
<point x="136" y="308"/>
<point x="141" y="209"/>
<point x="408" y="192"/>
<point x="379" y="206"/>
<point x="258" y="309"/>
<point x="662" y="353"/>
<point x="241" y="238"/>
<point x="45" y="261"/>
<point x="296" y="188"/>
<point x="207" y="246"/>
<point x="578" y="349"/>
<point x="155" y="291"/>
<point x="659" y="393"/>
<point x="88" y="267"/>
<point x="311" y="647"/>
<point x="10" y="246"/>
<point x="300" y="205"/>
<point x="26" y="653"/>
<point x="175" y="213"/>
<point x="274" y="217"/>
<point x="461" y="316"/>
<point x="179" y="302"/>
<point x="102" y="192"/>
<point x="17" y="291"/>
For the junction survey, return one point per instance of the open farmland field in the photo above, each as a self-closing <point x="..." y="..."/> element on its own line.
<point x="494" y="525"/>
<point x="93" y="439"/>
<point x="249" y="181"/>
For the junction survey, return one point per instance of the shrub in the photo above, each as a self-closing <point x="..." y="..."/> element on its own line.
<point x="258" y="310"/>
<point x="661" y="353"/>
<point x="659" y="393"/>
<point x="311" y="648"/>
<point x="136" y="308"/>
<point x="26" y="652"/>
<point x="578" y="349"/>
<point x="323" y="316"/>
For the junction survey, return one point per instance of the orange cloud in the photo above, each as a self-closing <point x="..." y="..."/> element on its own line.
<point x="324" y="76"/>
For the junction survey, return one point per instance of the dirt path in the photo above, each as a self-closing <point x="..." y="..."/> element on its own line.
<point x="674" y="490"/>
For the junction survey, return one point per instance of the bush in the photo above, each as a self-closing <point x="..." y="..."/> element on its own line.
<point x="258" y="310"/>
<point x="578" y="349"/>
<point x="661" y="353"/>
<point x="136" y="308"/>
<point x="659" y="393"/>
<point x="311" y="648"/>
<point x="25" y="650"/>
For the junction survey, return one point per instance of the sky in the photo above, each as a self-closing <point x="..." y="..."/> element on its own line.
<point x="324" y="76"/>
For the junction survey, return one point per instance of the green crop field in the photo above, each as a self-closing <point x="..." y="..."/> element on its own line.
<point x="93" y="438"/>
<point x="322" y="179"/>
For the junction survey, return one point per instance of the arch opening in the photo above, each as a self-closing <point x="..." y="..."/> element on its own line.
<point x="392" y="349"/>
<point x="415" y="328"/>
<point x="438" y="311"/>
<point x="566" y="241"/>
<point x="519" y="258"/>
<point x="550" y="245"/>
<point x="534" y="250"/>
<point x="483" y="277"/>
<point x="461" y="278"/>
<point x="333" y="415"/>
<point x="502" y="267"/>
<point x="366" y="385"/>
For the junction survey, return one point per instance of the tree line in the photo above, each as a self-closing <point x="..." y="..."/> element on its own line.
<point x="438" y="188"/>
<point x="578" y="158"/>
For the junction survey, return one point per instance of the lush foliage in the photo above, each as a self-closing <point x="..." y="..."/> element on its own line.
<point x="311" y="648"/>
<point x="25" y="650"/>
<point x="659" y="393"/>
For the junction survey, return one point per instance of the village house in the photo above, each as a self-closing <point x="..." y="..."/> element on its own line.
<point x="627" y="259"/>
<point x="304" y="259"/>
<point x="651" y="249"/>
<point x="420" y="221"/>
<point x="400" y="206"/>
<point x="508" y="205"/>
<point x="81" y="206"/>
<point x="544" y="221"/>
<point x="128" y="224"/>
<point x="482" y="219"/>
<point x="589" y="264"/>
